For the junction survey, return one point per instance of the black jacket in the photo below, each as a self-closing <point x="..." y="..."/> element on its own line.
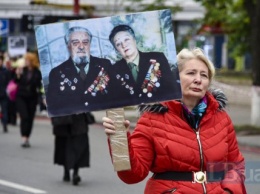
<point x="68" y="94"/>
<point x="77" y="125"/>
<point x="129" y="92"/>
<point x="5" y="77"/>
<point x="29" y="87"/>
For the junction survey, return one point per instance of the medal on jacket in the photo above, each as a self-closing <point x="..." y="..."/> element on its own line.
<point x="152" y="78"/>
<point x="99" y="84"/>
<point x="124" y="83"/>
<point x="67" y="83"/>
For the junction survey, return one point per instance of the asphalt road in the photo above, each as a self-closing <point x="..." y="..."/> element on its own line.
<point x="26" y="171"/>
<point x="33" y="168"/>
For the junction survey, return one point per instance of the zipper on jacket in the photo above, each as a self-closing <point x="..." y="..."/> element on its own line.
<point x="200" y="147"/>
<point x="201" y="156"/>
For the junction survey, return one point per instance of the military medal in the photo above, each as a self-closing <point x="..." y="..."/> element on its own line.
<point x="125" y="84"/>
<point x="127" y="76"/>
<point x="66" y="82"/>
<point x="99" y="84"/>
<point x="152" y="78"/>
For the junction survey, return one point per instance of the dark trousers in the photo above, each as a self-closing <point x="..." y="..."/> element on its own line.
<point x="12" y="112"/>
<point x="26" y="108"/>
<point x="4" y="110"/>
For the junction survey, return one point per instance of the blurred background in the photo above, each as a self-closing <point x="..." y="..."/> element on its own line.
<point x="228" y="31"/>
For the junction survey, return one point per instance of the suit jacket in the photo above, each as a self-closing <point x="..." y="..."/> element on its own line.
<point x="151" y="86"/>
<point x="67" y="93"/>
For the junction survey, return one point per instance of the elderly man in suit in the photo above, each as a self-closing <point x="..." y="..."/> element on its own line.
<point x="80" y="83"/>
<point x="142" y="77"/>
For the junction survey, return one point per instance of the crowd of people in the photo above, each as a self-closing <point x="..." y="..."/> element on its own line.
<point x="71" y="145"/>
<point x="19" y="92"/>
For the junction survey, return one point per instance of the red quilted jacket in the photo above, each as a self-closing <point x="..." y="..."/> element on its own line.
<point x="166" y="142"/>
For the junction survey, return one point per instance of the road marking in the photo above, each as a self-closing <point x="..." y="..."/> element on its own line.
<point x="21" y="187"/>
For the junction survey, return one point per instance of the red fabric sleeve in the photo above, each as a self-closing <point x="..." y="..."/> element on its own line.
<point x="235" y="175"/>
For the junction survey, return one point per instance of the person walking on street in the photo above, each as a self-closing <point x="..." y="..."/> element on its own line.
<point x="190" y="144"/>
<point x="4" y="80"/>
<point x="12" y="113"/>
<point x="71" y="146"/>
<point x="29" y="83"/>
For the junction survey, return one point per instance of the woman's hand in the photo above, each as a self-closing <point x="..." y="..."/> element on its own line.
<point x="110" y="127"/>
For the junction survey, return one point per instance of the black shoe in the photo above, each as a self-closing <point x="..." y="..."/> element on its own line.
<point x="5" y="129"/>
<point x="76" y="179"/>
<point x="26" y="145"/>
<point x="66" y="177"/>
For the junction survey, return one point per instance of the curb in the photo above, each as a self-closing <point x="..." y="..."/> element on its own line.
<point x="249" y="148"/>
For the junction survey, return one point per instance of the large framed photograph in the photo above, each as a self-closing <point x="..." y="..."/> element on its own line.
<point x="103" y="63"/>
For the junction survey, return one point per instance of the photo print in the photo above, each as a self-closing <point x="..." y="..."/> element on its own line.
<point x="111" y="62"/>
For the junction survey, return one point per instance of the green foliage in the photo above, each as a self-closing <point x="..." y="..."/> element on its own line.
<point x="247" y="130"/>
<point x="234" y="20"/>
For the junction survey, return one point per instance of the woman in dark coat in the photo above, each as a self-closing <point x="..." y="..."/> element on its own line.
<point x="29" y="80"/>
<point x="71" y="146"/>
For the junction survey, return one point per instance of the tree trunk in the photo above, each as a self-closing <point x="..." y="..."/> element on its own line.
<point x="253" y="10"/>
<point x="255" y="27"/>
<point x="255" y="110"/>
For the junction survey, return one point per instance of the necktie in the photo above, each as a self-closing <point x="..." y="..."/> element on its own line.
<point x="133" y="68"/>
<point x="82" y="72"/>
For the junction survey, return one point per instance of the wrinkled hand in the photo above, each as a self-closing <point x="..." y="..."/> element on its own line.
<point x="110" y="127"/>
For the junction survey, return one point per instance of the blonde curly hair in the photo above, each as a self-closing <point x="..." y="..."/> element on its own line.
<point x="33" y="59"/>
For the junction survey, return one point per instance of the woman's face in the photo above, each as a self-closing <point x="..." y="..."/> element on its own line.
<point x="194" y="78"/>
<point x="125" y="44"/>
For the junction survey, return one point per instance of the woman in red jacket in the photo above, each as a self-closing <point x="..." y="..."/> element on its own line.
<point x="189" y="144"/>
